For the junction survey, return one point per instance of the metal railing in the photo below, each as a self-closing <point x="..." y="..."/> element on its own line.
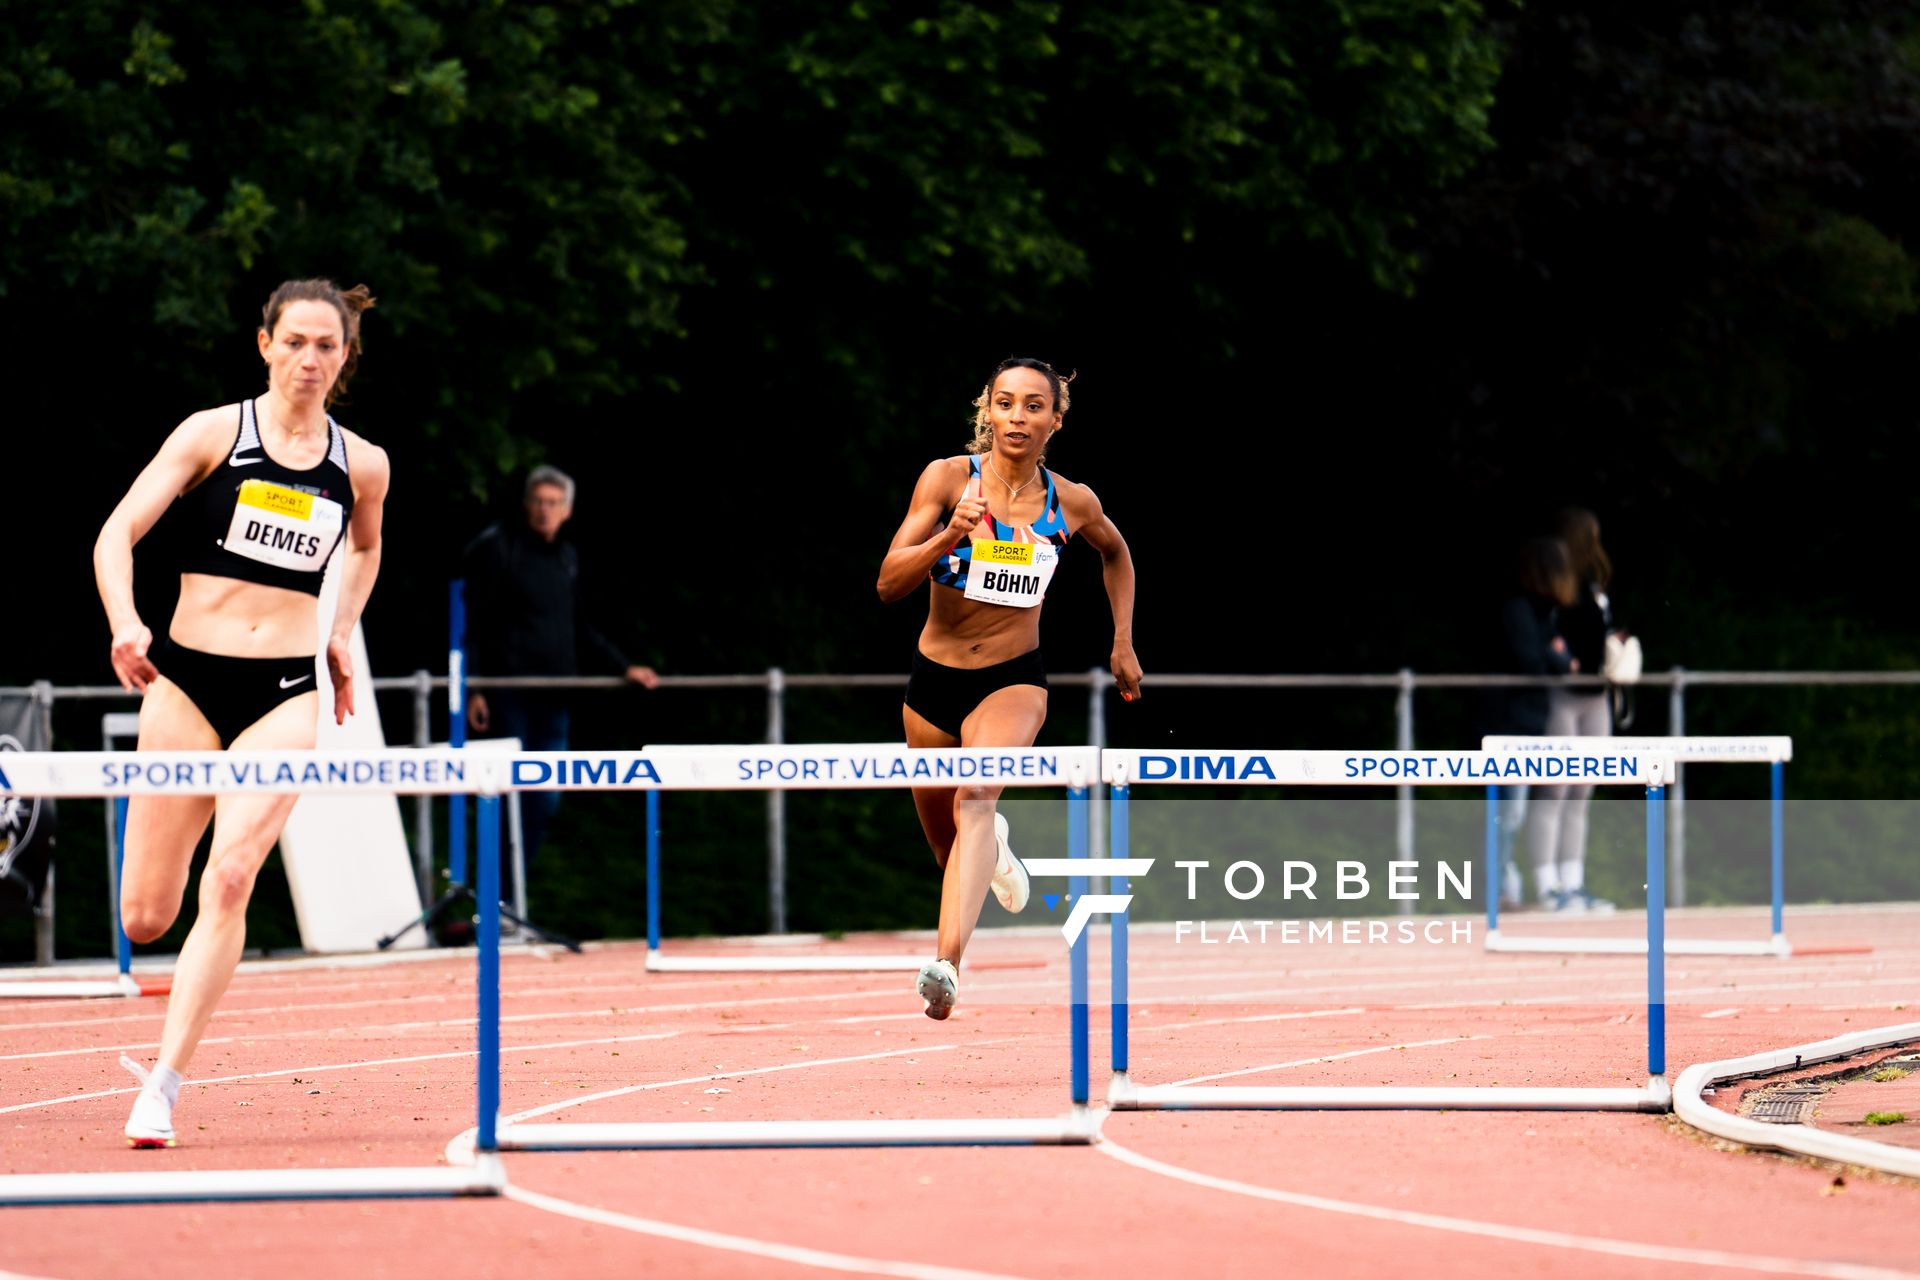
<point x="776" y="682"/>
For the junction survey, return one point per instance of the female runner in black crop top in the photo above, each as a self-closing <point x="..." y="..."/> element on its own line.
<point x="238" y="668"/>
<point x="977" y="679"/>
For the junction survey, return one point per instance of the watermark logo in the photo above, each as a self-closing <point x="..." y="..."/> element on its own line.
<point x="1089" y="905"/>
<point x="1245" y="880"/>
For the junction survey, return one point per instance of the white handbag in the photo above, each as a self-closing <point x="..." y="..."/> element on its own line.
<point x="1622" y="663"/>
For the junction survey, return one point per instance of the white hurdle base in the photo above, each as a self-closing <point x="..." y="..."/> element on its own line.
<point x="1124" y="1095"/>
<point x="485" y="1178"/>
<point x="658" y="963"/>
<point x="124" y="986"/>
<point x="1774" y="946"/>
<point x="1079" y="1127"/>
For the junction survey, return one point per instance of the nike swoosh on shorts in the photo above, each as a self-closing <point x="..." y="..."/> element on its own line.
<point x="288" y="684"/>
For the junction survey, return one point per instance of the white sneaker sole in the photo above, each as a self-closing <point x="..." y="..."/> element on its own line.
<point x="1011" y="888"/>
<point x="938" y="990"/>
<point x="151" y="1124"/>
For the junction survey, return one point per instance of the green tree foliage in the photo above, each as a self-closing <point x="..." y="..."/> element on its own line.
<point x="533" y="189"/>
<point x="496" y="171"/>
<point x="1738" y="177"/>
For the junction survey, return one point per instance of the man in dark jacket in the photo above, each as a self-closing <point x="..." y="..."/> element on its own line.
<point x="526" y="617"/>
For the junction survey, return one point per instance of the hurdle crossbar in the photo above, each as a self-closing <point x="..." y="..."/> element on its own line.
<point x="868" y="766"/>
<point x="1077" y="1128"/>
<point x="1126" y="1096"/>
<point x="1121" y="770"/>
<point x="1774" y="752"/>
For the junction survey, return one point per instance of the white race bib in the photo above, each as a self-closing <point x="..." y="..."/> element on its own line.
<point x="1011" y="573"/>
<point x="289" y="528"/>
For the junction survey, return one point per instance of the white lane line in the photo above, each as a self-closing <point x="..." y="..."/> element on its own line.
<point x="1329" y="1057"/>
<point x="720" y="1074"/>
<point x="382" y="1029"/>
<point x="463" y="990"/>
<point x="795" y="1254"/>
<point x="461" y="994"/>
<point x="1519" y="1235"/>
<point x="466" y="996"/>
<point x="108" y="1048"/>
<point x="723" y="1074"/>
<point x="1722" y="1013"/>
<point x="882" y="1017"/>
<point x="330" y="1033"/>
<point x="1030" y="1037"/>
<point x="348" y="1066"/>
<point x="1187" y="1024"/>
<point x="1674" y="994"/>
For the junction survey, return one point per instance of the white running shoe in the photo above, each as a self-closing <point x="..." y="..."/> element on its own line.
<point x="939" y="986"/>
<point x="151" y="1122"/>
<point x="1010" y="884"/>
<point x="1584" y="903"/>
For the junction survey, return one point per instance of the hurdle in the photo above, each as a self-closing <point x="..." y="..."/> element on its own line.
<point x="115" y="726"/>
<point x="112" y="774"/>
<point x="1772" y="751"/>
<point x="762" y="768"/>
<point x="659" y="961"/>
<point x="1122" y="770"/>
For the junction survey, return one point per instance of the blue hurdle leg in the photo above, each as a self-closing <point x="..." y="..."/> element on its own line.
<point x="1779" y="848"/>
<point x="456" y="840"/>
<point x="122" y="945"/>
<point x="1120" y="838"/>
<point x="653" y="871"/>
<point x="1656" y="932"/>
<point x="488" y="817"/>
<point x="1494" y="869"/>
<point x="1076" y="887"/>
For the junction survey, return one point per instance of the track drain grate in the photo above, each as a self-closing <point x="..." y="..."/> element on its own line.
<point x="1785" y="1103"/>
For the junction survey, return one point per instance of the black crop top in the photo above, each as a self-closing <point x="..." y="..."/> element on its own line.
<point x="259" y="521"/>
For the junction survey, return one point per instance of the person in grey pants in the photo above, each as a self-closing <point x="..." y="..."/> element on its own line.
<point x="1528" y="643"/>
<point x="1557" y="820"/>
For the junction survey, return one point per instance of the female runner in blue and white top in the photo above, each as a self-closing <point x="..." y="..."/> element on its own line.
<point x="269" y="488"/>
<point x="987" y="529"/>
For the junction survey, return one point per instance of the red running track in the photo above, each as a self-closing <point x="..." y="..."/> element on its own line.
<point x="329" y="1066"/>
